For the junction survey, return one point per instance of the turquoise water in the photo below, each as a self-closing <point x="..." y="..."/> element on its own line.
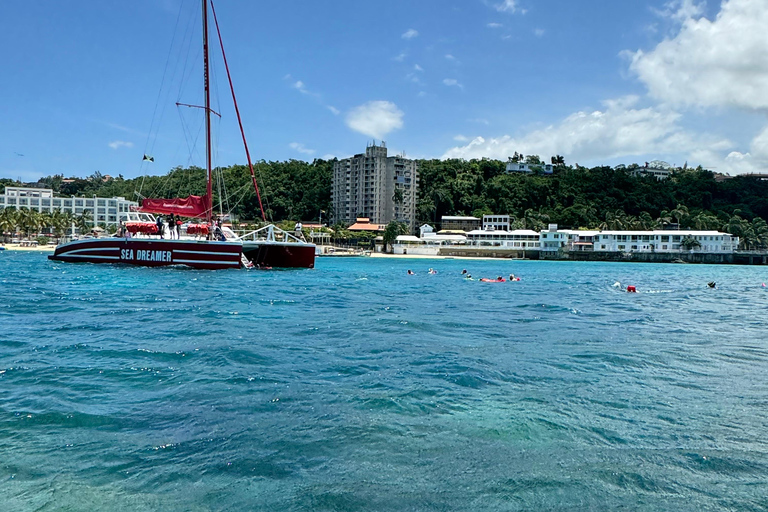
<point x="356" y="387"/>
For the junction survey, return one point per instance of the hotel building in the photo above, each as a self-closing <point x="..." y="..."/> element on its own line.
<point x="105" y="211"/>
<point x="373" y="185"/>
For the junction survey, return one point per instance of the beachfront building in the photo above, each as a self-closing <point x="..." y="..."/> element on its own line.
<point x="498" y="222"/>
<point x="459" y="223"/>
<point x="373" y="185"/>
<point x="105" y="211"/>
<point x="712" y="242"/>
<point x="522" y="239"/>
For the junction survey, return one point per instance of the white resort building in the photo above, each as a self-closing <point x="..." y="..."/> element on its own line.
<point x="104" y="210"/>
<point x="554" y="242"/>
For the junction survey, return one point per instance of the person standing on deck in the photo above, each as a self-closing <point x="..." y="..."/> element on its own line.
<point x="159" y="223"/>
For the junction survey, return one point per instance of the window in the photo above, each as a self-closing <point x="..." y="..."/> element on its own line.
<point x="665" y="238"/>
<point x="663" y="246"/>
<point x="622" y="247"/>
<point x="634" y="247"/>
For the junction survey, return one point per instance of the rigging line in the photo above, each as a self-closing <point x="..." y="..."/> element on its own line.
<point x="188" y="69"/>
<point x="237" y="110"/>
<point x="159" y="93"/>
<point x="266" y="195"/>
<point x="162" y="80"/>
<point x="243" y="190"/>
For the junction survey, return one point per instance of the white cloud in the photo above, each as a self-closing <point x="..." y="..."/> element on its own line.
<point x="375" y="118"/>
<point x="720" y="63"/>
<point x="299" y="86"/>
<point x="480" y="121"/>
<point x="418" y="68"/>
<point x="413" y="77"/>
<point x="539" y="32"/>
<point x="422" y="94"/>
<point x="450" y="57"/>
<point x="460" y="138"/>
<point x="117" y="144"/>
<point x="681" y="10"/>
<point x="736" y="162"/>
<point x="400" y="58"/>
<point x="621" y="129"/>
<point x="452" y="82"/>
<point x="333" y="110"/>
<point x="494" y="25"/>
<point x="410" y="34"/>
<point x="297" y="146"/>
<point x="507" y="6"/>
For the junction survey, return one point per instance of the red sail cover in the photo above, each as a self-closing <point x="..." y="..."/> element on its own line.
<point x="192" y="206"/>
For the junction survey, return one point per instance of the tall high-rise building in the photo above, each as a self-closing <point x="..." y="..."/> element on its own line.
<point x="374" y="185"/>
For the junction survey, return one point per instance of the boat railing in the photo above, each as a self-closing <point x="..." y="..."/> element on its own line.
<point x="271" y="233"/>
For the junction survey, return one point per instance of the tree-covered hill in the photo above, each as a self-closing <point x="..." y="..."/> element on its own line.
<point x="600" y="197"/>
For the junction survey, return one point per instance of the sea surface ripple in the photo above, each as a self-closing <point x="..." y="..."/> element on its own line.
<point x="354" y="386"/>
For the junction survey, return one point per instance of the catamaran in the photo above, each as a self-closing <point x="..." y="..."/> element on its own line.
<point x="267" y="247"/>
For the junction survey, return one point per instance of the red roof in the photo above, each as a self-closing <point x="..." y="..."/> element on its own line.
<point x="364" y="224"/>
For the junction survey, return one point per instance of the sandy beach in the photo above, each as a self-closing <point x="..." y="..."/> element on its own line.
<point x="17" y="247"/>
<point x="428" y="257"/>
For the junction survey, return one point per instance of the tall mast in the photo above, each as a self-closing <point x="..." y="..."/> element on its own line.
<point x="208" y="191"/>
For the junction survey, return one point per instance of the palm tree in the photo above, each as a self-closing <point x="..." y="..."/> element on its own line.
<point x="615" y="220"/>
<point x="680" y="214"/>
<point x="392" y="231"/>
<point x="60" y="221"/>
<point x="8" y="221"/>
<point x="664" y="219"/>
<point x="760" y="233"/>
<point x="84" y="221"/>
<point x="535" y="220"/>
<point x="28" y="220"/>
<point x="689" y="243"/>
<point x="704" y="221"/>
<point x="646" y="222"/>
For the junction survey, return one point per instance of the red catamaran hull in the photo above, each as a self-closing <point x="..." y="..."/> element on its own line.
<point x="202" y="254"/>
<point x="280" y="255"/>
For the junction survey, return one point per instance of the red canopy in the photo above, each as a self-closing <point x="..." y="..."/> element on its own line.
<point x="192" y="206"/>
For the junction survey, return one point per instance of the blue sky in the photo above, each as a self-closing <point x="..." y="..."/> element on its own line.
<point x="598" y="81"/>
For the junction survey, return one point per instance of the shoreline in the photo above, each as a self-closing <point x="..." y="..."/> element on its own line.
<point x="437" y="257"/>
<point x="39" y="248"/>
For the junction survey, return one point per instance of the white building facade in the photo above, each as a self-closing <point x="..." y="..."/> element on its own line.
<point x="105" y="211"/>
<point x="713" y="242"/>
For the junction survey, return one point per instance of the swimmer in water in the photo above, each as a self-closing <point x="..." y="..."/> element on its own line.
<point x="432" y="271"/>
<point x="469" y="277"/>
<point x="464" y="272"/>
<point x="617" y="284"/>
<point x="712" y="284"/>
<point x="410" y="272"/>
